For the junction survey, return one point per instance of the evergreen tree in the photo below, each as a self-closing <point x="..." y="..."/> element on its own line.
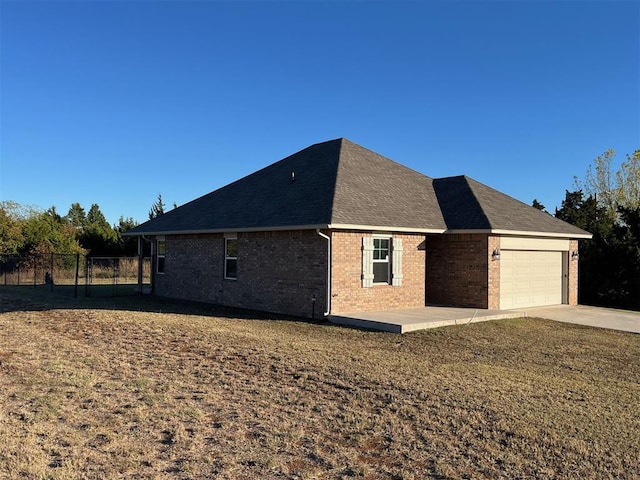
<point x="538" y="205"/>
<point x="126" y="245"/>
<point x="98" y="237"/>
<point x="76" y="216"/>
<point x="157" y="208"/>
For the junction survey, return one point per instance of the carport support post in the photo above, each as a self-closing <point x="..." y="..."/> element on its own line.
<point x="153" y="265"/>
<point x="139" y="265"/>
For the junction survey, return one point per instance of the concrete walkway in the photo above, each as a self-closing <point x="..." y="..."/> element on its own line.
<point x="624" y="320"/>
<point x="409" y="320"/>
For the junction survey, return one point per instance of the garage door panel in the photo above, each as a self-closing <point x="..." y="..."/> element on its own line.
<point x="530" y="278"/>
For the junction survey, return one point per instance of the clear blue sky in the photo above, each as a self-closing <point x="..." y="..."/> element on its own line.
<point x="114" y="102"/>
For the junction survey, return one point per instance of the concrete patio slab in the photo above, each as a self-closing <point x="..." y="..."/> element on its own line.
<point x="409" y="320"/>
<point x="623" y="320"/>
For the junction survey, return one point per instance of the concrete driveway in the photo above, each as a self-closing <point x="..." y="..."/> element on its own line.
<point x="613" y="319"/>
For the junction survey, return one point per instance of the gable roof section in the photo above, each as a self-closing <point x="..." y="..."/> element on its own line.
<point x="373" y="191"/>
<point x="335" y="183"/>
<point x="470" y="205"/>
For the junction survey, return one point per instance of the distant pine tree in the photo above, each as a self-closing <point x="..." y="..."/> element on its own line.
<point x="157" y="208"/>
<point x="538" y="205"/>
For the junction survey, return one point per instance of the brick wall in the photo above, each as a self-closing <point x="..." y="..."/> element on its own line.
<point x="573" y="274"/>
<point x="460" y="271"/>
<point x="493" y="288"/>
<point x="347" y="292"/>
<point x="277" y="271"/>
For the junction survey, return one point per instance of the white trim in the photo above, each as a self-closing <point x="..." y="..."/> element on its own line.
<point x="336" y="226"/>
<point x="226" y="230"/>
<point x="226" y="258"/>
<point x="387" y="260"/>
<point x="159" y="256"/>
<point x="368" y="228"/>
<point x="520" y="233"/>
<point x="382" y="228"/>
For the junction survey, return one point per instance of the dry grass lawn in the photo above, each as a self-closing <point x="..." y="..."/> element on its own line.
<point x="144" y="389"/>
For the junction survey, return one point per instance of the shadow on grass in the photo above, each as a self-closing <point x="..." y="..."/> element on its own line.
<point x="40" y="298"/>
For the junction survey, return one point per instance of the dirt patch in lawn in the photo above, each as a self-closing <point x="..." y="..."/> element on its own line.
<point x="121" y="388"/>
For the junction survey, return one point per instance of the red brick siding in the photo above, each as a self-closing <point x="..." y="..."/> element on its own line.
<point x="277" y="271"/>
<point x="347" y="293"/>
<point x="458" y="270"/>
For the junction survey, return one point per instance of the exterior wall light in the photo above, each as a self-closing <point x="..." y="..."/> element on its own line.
<point x="575" y="255"/>
<point x="496" y="254"/>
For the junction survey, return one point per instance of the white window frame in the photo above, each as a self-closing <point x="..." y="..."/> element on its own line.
<point x="162" y="255"/>
<point x="386" y="260"/>
<point x="227" y="239"/>
<point x="394" y="260"/>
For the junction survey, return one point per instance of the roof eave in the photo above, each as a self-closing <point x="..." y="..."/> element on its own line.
<point x="332" y="226"/>
<point x="384" y="228"/>
<point x="224" y="230"/>
<point x="523" y="233"/>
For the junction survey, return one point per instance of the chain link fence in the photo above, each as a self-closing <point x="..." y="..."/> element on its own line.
<point x="76" y="275"/>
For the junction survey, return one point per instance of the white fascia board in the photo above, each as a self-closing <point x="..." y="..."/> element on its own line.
<point x="378" y="228"/>
<point x="518" y="233"/>
<point x="337" y="226"/>
<point x="225" y="230"/>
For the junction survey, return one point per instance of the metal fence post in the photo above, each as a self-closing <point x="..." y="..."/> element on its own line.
<point x="75" y="288"/>
<point x="51" y="277"/>
<point x="86" y="277"/>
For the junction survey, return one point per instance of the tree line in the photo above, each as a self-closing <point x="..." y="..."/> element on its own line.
<point x="605" y="203"/>
<point x="27" y="230"/>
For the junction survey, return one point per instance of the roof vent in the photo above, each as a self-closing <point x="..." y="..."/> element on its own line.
<point x="293" y="177"/>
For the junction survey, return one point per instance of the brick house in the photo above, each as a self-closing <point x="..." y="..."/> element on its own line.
<point x="337" y="228"/>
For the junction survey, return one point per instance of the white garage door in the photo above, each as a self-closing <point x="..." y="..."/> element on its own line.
<point x="530" y="278"/>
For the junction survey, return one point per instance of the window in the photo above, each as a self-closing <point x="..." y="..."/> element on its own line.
<point x="381" y="268"/>
<point x="230" y="258"/>
<point x="381" y="261"/>
<point x="161" y="249"/>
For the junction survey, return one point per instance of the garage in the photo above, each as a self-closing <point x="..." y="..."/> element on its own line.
<point x="531" y="278"/>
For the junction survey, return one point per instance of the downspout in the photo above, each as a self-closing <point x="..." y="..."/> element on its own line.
<point x="326" y="314"/>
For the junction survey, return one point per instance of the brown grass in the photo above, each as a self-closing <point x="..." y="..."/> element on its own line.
<point x="120" y="388"/>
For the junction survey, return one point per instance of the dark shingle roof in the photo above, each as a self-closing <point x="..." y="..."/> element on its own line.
<point x="336" y="182"/>
<point x="342" y="184"/>
<point x="373" y="190"/>
<point x="267" y="198"/>
<point x="470" y="205"/>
